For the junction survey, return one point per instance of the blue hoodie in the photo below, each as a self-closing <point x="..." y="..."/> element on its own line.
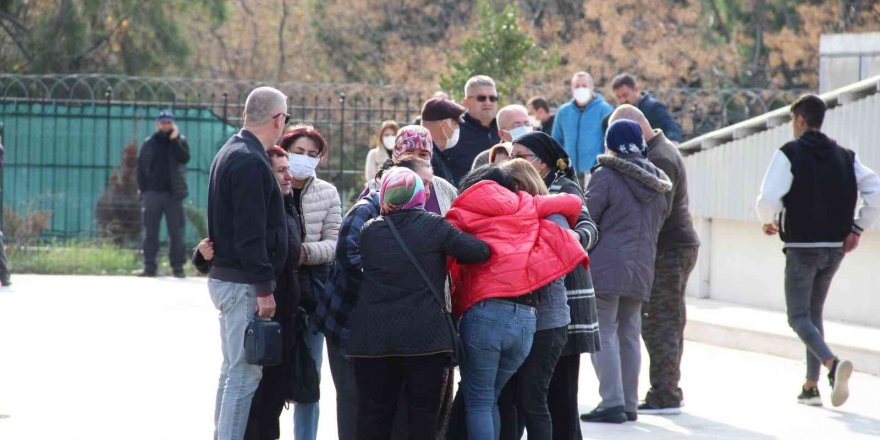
<point x="579" y="130"/>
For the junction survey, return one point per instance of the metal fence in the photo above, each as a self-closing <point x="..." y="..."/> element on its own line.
<point x="71" y="142"/>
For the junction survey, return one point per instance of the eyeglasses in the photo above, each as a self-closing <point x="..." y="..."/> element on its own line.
<point x="287" y="117"/>
<point x="526" y="157"/>
<point x="483" y="98"/>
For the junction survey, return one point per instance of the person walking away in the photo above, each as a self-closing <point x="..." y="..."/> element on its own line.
<point x="248" y="229"/>
<point x="627" y="91"/>
<point x="665" y="316"/>
<point x="381" y="152"/>
<point x="627" y="197"/>
<point x="320" y="210"/>
<point x="813" y="174"/>
<point x="478" y="129"/>
<point x="495" y="299"/>
<point x="552" y="162"/>
<point x="539" y="109"/>
<point x="400" y="339"/>
<point x="578" y="124"/>
<point x="161" y="180"/>
<point x="523" y="400"/>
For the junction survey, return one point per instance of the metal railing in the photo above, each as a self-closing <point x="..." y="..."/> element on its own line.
<point x="777" y="117"/>
<point x="725" y="167"/>
<point x="67" y="138"/>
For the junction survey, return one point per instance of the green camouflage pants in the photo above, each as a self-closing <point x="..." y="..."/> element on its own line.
<point x="663" y="322"/>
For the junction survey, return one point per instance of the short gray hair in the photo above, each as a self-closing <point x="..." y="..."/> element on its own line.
<point x="583" y="74"/>
<point x="478" y="81"/>
<point x="501" y="117"/>
<point x="262" y="104"/>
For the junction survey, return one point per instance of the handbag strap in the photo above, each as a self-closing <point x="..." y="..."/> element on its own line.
<point x="412" y="259"/>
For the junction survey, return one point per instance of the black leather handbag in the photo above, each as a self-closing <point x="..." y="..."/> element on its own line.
<point x="263" y="342"/>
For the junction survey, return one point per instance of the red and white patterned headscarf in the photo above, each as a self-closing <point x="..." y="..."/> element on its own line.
<point x="412" y="138"/>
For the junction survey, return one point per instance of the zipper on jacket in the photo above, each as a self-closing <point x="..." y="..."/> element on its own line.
<point x="302" y="215"/>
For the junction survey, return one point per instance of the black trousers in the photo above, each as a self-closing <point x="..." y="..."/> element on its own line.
<point x="523" y="401"/>
<point x="342" y="369"/>
<point x="379" y="384"/>
<point x="562" y="399"/>
<point x="157" y="204"/>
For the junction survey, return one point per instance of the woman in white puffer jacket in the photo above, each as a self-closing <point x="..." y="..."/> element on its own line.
<point x="320" y="211"/>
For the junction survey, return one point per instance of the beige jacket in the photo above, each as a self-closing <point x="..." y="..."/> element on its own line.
<point x="376" y="157"/>
<point x="320" y="215"/>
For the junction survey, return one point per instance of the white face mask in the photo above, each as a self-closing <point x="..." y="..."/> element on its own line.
<point x="388" y="142"/>
<point x="534" y="122"/>
<point x="582" y="95"/>
<point x="301" y="166"/>
<point x="452" y="140"/>
<point x="518" y="132"/>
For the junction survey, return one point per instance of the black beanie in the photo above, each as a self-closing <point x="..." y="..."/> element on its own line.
<point x="549" y="151"/>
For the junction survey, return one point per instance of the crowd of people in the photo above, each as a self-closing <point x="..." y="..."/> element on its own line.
<point x="504" y="243"/>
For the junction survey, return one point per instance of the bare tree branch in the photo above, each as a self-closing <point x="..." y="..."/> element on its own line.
<point x="18" y="42"/>
<point x="282" y="55"/>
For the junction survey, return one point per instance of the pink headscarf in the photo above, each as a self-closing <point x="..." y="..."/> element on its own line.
<point x="412" y="138"/>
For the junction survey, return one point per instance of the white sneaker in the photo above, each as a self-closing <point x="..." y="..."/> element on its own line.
<point x="839" y="376"/>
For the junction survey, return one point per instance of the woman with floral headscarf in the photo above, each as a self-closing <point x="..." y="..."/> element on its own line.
<point x="416" y="140"/>
<point x="399" y="333"/>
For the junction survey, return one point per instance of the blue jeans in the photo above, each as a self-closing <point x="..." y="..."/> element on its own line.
<point x="237" y="304"/>
<point x="305" y="415"/>
<point x="497" y="337"/>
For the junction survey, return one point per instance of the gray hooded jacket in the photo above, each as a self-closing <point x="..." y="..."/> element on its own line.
<point x="627" y="199"/>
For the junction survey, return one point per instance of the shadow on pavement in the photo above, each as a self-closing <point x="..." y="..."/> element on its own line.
<point x="858" y="423"/>
<point x="652" y="427"/>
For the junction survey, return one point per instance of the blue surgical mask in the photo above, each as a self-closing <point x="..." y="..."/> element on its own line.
<point x="518" y="132"/>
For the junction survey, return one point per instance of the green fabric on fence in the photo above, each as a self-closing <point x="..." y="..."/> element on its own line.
<point x="59" y="156"/>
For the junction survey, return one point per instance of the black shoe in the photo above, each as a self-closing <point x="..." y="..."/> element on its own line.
<point x="147" y="274"/>
<point x="5" y="283"/>
<point x="810" y="397"/>
<point x="179" y="273"/>
<point x="615" y="414"/>
<point x="632" y="416"/>
<point x="839" y="375"/>
<point x="650" y="408"/>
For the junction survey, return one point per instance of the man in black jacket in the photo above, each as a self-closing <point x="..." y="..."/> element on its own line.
<point x="478" y="130"/>
<point x="161" y="168"/>
<point x="540" y="109"/>
<point x="248" y="228"/>
<point x="628" y="92"/>
<point x="809" y="197"/>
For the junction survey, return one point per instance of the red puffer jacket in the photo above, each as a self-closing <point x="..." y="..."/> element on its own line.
<point x="528" y="251"/>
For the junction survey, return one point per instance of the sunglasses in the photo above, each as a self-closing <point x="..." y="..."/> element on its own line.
<point x="483" y="98"/>
<point x="287" y="117"/>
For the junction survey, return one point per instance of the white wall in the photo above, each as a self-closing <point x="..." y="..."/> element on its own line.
<point x="741" y="265"/>
<point x="847" y="58"/>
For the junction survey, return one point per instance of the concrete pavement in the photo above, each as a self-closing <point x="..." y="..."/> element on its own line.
<point x="127" y="358"/>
